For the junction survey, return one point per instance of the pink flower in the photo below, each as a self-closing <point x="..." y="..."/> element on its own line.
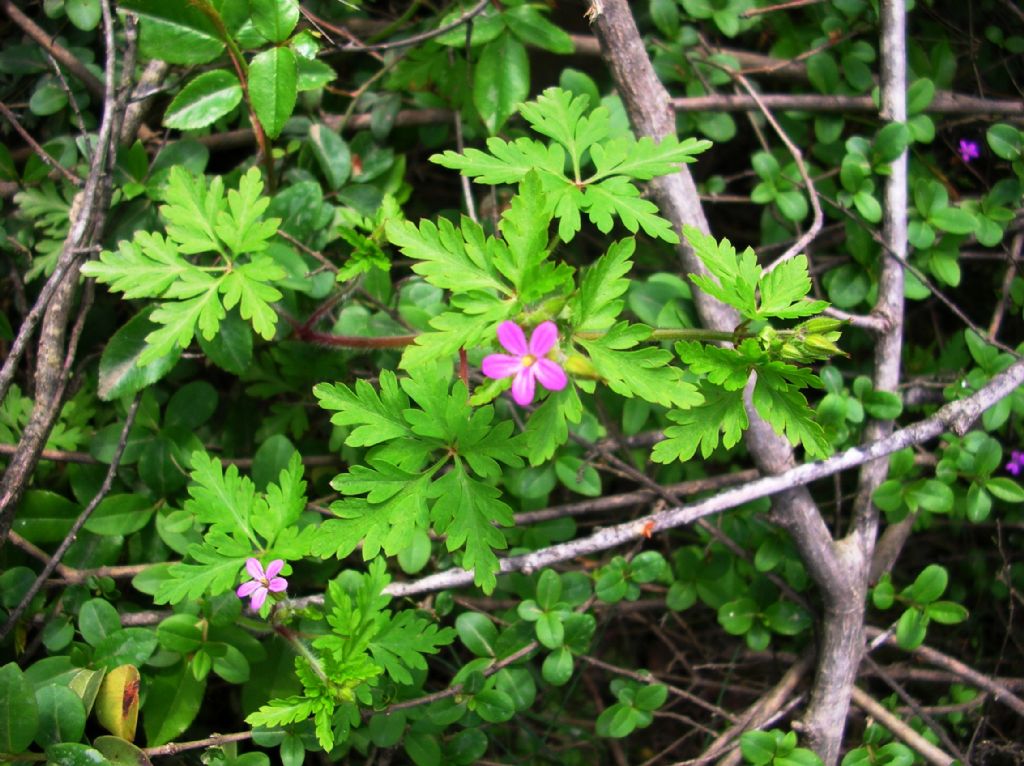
<point x="528" y="362"/>
<point x="969" y="150"/>
<point x="262" y="583"/>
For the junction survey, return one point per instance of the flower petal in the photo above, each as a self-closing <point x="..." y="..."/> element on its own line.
<point x="278" y="584"/>
<point x="501" y="365"/>
<point x="246" y="588"/>
<point x="254" y="568"/>
<point x="258" y="597"/>
<point x="523" y="386"/>
<point x="543" y="339"/>
<point x="273" y="568"/>
<point x="549" y="375"/>
<point x="511" y="337"/>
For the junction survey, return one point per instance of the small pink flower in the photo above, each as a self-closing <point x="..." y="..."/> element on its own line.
<point x="528" y="362"/>
<point x="969" y="150"/>
<point x="262" y="583"/>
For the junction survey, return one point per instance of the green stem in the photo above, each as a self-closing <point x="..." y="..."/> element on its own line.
<point x="682" y="333"/>
<point x="305" y="652"/>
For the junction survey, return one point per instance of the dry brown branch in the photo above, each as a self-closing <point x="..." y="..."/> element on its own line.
<point x="59" y="52"/>
<point x="996" y="688"/>
<point x="893" y="723"/>
<point x="55" y="301"/>
<point x="38" y="150"/>
<point x="72" y="535"/>
<point x="943" y="103"/>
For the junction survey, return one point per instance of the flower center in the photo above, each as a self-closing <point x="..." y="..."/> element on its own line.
<point x="528" y="360"/>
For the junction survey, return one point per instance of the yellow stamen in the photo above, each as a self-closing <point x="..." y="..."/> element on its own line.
<point x="528" y="360"/>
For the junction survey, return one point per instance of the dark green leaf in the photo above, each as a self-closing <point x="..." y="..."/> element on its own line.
<point x="19" y="716"/>
<point x="501" y="80"/>
<point x="175" y="31"/>
<point x="274" y="19"/>
<point x="120" y="372"/>
<point x="204" y="100"/>
<point x="272" y="88"/>
<point x="172" y="703"/>
<point x="61" y="715"/>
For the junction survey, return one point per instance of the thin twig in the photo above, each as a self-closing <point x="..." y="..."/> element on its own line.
<point x="818" y="218"/>
<point x="62" y="54"/>
<point x="72" y="535"/>
<point x="893" y="723"/>
<point x="413" y="40"/>
<point x="38" y="150"/>
<point x="997" y="689"/>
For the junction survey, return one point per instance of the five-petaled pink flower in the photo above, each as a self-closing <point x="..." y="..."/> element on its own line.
<point x="969" y="150"/>
<point x="528" y="362"/>
<point x="262" y="583"/>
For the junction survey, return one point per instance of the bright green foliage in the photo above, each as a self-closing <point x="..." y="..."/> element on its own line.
<point x="240" y="523"/>
<point x="644" y="373"/>
<point x="396" y="492"/>
<point x="366" y="642"/>
<point x="776" y="396"/>
<point x="775" y="748"/>
<point x="608" y="192"/>
<point x="634" y="709"/>
<point x="201" y="220"/>
<point x="742" y="284"/>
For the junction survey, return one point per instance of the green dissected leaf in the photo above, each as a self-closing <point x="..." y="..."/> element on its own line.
<point x="724" y="367"/>
<point x="548" y="427"/>
<point x="737" y="275"/>
<point x="204" y="100"/>
<point x="508" y="161"/>
<point x="222" y="498"/>
<point x="275" y="19"/>
<point x="466" y="511"/>
<point x="501" y="80"/>
<point x="447" y="257"/>
<point x="387" y="524"/>
<point x="400" y="645"/>
<point x="524" y="228"/>
<point x="560" y="115"/>
<point x="219" y="564"/>
<point x="179" y="322"/>
<point x="175" y="31"/>
<point x="454" y="330"/>
<point x="616" y="196"/>
<point x="281" y="712"/>
<point x="191" y="210"/>
<point x="783" y="291"/>
<point x="645" y="159"/>
<point x="247" y="286"/>
<point x="722" y="413"/>
<point x="272" y="88"/>
<point x="144" y="268"/>
<point x="597" y="304"/>
<point x="644" y="373"/>
<point x="242" y="226"/>
<point x="377" y="416"/>
<point x="786" y="409"/>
